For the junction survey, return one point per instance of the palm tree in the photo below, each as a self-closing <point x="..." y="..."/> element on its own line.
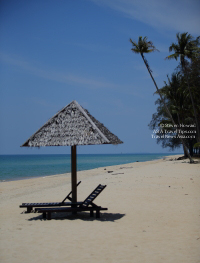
<point x="171" y="90"/>
<point x="142" y="47"/>
<point x="177" y="102"/>
<point x="187" y="47"/>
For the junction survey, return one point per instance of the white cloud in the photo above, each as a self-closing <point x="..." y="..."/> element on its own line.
<point x="51" y="74"/>
<point x="178" y="15"/>
<point x="66" y="77"/>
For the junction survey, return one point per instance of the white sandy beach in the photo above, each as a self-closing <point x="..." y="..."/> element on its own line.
<point x="153" y="216"/>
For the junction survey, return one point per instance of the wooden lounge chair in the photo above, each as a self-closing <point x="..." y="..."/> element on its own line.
<point x="86" y="205"/>
<point x="30" y="206"/>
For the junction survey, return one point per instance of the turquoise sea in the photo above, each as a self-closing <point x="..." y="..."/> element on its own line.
<point x="15" y="167"/>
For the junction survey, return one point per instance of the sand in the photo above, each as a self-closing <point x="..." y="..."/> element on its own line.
<point x="153" y="216"/>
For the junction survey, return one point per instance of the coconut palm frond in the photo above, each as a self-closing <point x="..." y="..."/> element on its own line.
<point x="197" y="145"/>
<point x="174" y="47"/>
<point x="172" y="56"/>
<point x="143" y="46"/>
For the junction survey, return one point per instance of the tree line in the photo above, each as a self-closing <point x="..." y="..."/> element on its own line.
<point x="177" y="120"/>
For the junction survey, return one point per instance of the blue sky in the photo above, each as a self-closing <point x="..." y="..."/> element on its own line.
<point x="53" y="52"/>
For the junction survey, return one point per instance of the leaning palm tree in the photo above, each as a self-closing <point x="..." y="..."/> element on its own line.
<point x="142" y="47"/>
<point x="187" y="47"/>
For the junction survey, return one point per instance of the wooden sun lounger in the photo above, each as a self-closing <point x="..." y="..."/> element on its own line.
<point x="47" y="211"/>
<point x="86" y="205"/>
<point x="30" y="206"/>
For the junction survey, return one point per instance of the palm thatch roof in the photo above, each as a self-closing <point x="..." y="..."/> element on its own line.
<point x="73" y="125"/>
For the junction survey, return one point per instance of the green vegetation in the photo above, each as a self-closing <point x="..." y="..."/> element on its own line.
<point x="178" y="98"/>
<point x="177" y="118"/>
<point x="187" y="47"/>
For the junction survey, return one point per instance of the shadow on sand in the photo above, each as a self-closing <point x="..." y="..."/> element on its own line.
<point x="105" y="217"/>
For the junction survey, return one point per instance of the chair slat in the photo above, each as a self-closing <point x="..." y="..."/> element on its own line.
<point x="93" y="195"/>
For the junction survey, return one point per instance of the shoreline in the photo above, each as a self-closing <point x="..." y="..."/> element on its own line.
<point x="153" y="216"/>
<point x="43" y="176"/>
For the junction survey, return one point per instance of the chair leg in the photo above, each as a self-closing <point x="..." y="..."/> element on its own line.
<point x="29" y="209"/>
<point x="97" y="214"/>
<point x="49" y="215"/>
<point x="91" y="213"/>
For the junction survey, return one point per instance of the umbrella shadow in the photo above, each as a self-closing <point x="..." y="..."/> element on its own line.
<point x="105" y="217"/>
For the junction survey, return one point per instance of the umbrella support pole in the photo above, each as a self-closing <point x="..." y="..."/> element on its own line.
<point x="74" y="175"/>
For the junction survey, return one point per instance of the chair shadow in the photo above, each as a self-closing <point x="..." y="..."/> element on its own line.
<point x="104" y="217"/>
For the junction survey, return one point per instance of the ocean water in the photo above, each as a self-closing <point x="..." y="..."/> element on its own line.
<point x="15" y="167"/>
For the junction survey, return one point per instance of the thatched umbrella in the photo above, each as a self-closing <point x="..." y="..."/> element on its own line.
<point x="72" y="126"/>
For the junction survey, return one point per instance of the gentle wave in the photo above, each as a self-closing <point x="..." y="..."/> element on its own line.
<point x="15" y="167"/>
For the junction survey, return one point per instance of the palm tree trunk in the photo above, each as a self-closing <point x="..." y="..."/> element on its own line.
<point x="193" y="105"/>
<point x="166" y="108"/>
<point x="179" y="122"/>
